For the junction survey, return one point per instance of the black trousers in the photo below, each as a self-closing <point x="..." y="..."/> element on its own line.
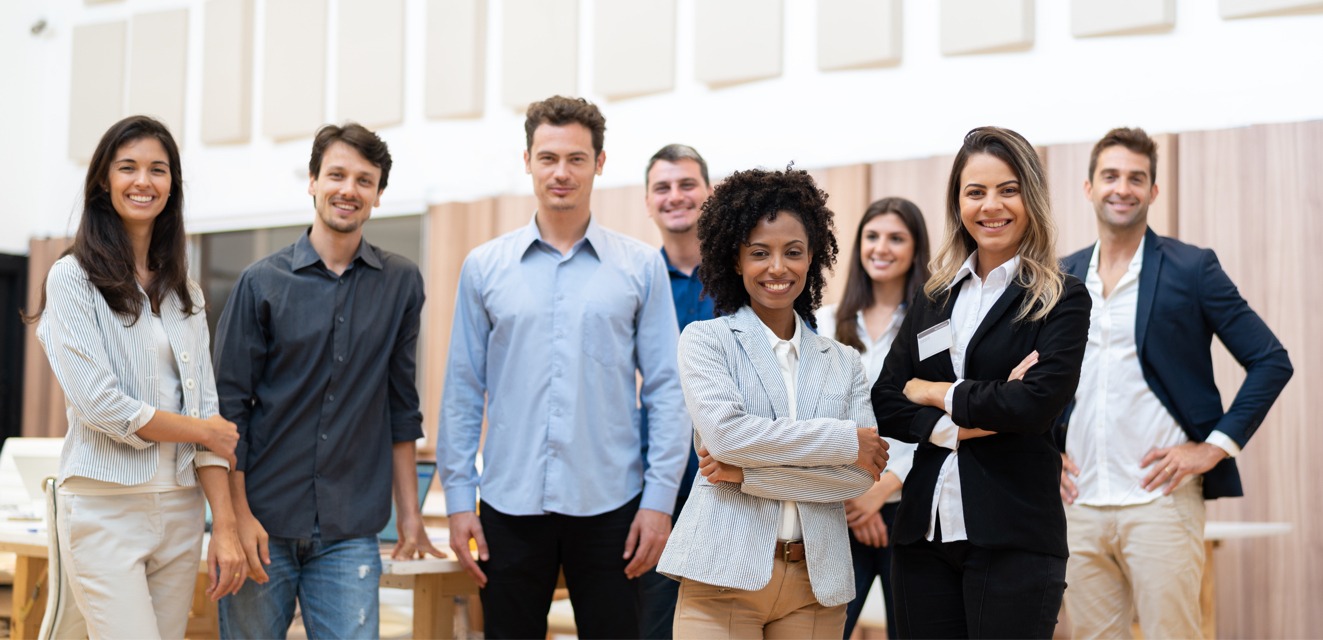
<point x="869" y="563"/>
<point x="528" y="552"/>
<point x="958" y="590"/>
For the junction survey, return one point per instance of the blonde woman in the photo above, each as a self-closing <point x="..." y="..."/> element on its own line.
<point x="987" y="357"/>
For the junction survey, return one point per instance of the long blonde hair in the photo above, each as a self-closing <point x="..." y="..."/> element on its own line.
<point x="1038" y="272"/>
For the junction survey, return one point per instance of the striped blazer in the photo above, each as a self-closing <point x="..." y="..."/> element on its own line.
<point x="108" y="374"/>
<point x="736" y="397"/>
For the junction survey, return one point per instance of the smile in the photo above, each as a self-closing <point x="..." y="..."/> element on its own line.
<point x="994" y="224"/>
<point x="141" y="199"/>
<point x="777" y="287"/>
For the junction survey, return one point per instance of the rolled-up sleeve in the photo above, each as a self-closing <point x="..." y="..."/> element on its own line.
<point x="406" y="420"/>
<point x="240" y="357"/>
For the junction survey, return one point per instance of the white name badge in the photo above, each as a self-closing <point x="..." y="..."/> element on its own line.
<point x="935" y="339"/>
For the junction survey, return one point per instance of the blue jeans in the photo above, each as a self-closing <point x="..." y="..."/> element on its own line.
<point x="336" y="584"/>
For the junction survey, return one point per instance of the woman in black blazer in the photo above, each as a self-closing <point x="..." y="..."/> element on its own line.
<point x="988" y="356"/>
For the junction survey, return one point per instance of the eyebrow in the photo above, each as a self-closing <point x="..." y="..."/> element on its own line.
<point x="1011" y="181"/>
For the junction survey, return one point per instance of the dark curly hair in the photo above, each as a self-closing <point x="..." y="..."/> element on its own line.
<point x="737" y="205"/>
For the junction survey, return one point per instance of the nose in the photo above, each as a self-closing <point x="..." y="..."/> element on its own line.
<point x="141" y="178"/>
<point x="777" y="266"/>
<point x="1122" y="187"/>
<point x="992" y="203"/>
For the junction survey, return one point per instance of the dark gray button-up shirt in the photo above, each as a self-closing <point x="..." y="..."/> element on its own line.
<point x="317" y="370"/>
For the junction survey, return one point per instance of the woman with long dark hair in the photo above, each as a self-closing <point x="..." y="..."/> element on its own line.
<point x="887" y="267"/>
<point x="986" y="359"/>
<point x="125" y="331"/>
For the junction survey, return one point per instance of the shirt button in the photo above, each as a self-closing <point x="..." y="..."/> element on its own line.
<point x="183" y="356"/>
<point x="323" y="436"/>
<point x="341" y="280"/>
<point x="189" y="384"/>
<point x="339" y="358"/>
<point x="330" y="397"/>
<point x="193" y="413"/>
<point x="340" y="319"/>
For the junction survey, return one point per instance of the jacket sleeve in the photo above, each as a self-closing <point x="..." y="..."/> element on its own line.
<point x="1031" y="405"/>
<point x="80" y="361"/>
<point x="1251" y="343"/>
<point x="733" y="435"/>
<point x="897" y="417"/>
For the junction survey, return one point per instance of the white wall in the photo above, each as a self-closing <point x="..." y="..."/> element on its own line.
<point x="1206" y="73"/>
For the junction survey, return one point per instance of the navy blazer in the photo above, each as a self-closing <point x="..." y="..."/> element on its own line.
<point x="1185" y="298"/>
<point x="1009" y="481"/>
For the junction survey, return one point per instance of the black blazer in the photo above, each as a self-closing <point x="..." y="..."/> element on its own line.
<point x="1184" y="299"/>
<point x="1009" y="481"/>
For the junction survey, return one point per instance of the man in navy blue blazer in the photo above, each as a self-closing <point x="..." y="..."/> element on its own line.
<point x="1146" y="440"/>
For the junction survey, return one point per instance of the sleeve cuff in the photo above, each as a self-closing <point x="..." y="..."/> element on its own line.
<point x="949" y="400"/>
<point x="461" y="499"/>
<point x="1224" y="442"/>
<point x="659" y="498"/>
<point x="204" y="458"/>
<point x="945" y="433"/>
<point x="144" y="415"/>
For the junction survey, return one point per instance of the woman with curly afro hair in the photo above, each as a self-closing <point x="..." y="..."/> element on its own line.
<point x="782" y="423"/>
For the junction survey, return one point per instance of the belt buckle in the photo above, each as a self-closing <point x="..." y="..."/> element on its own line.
<point x="785" y="552"/>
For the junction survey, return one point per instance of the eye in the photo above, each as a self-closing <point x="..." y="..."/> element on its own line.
<point x="160" y="171"/>
<point x="974" y="193"/>
<point x="1010" y="191"/>
<point x="870" y="236"/>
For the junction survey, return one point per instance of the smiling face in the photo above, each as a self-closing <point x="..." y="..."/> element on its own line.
<point x="676" y="193"/>
<point x="992" y="210"/>
<point x="345" y="190"/>
<point x="774" y="263"/>
<point x="563" y="165"/>
<point x="886" y="248"/>
<point x="139" y="182"/>
<point x="1121" y="188"/>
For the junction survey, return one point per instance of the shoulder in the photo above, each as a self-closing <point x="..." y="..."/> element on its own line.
<point x="1183" y="255"/>
<point x="396" y="265"/>
<point x="631" y="249"/>
<point x="279" y="261"/>
<point x="66" y="271"/>
<point x="1078" y="260"/>
<point x="706" y="333"/>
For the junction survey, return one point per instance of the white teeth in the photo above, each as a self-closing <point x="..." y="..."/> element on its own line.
<point x="782" y="286"/>
<point x="997" y="224"/>
<point x="142" y="199"/>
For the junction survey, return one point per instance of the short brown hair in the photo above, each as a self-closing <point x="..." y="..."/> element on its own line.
<point x="559" y="111"/>
<point x="1136" y="140"/>
<point x="363" y="140"/>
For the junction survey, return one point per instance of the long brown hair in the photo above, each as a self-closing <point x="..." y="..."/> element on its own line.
<point x="859" y="287"/>
<point x="1038" y="272"/>
<point x="101" y="244"/>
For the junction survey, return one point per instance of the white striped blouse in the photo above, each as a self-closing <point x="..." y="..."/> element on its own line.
<point x="108" y="372"/>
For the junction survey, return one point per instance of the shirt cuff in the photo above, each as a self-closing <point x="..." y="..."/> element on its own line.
<point x="945" y="433"/>
<point x="461" y="499"/>
<point x="1224" y="442"/>
<point x="205" y="458"/>
<point x="138" y="421"/>
<point x="659" y="498"/>
<point x="949" y="401"/>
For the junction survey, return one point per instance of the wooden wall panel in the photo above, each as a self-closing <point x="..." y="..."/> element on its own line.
<point x="43" y="401"/>
<point x="1067" y="166"/>
<point x="847" y="190"/>
<point x="96" y="85"/>
<point x="512" y="212"/>
<point x="227" y="71"/>
<point x="624" y="209"/>
<point x="456" y="58"/>
<point x="371" y="64"/>
<point x="158" y="53"/>
<point x="1252" y="194"/>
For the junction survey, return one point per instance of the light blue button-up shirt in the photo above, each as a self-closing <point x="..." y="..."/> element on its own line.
<point x="552" y="342"/>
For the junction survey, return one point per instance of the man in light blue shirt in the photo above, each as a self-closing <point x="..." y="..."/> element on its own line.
<point x="554" y="324"/>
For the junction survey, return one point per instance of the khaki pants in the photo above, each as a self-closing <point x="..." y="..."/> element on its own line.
<point x="1144" y="559"/>
<point x="133" y="560"/>
<point x="785" y="608"/>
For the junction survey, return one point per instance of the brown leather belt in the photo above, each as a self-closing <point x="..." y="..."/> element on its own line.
<point x="789" y="551"/>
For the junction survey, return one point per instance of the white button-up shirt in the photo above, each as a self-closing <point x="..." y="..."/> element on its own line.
<point x="787" y="359"/>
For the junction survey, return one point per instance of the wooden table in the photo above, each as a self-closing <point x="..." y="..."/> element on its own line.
<point x="1215" y="533"/>
<point x="435" y="583"/>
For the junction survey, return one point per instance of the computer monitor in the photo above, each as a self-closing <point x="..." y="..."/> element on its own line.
<point x="426" y="471"/>
<point x="20" y="488"/>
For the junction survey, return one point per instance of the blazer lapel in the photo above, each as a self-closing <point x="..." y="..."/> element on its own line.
<point x="812" y="376"/>
<point x="749" y="330"/>
<point x="1148" y="286"/>
<point x="999" y="308"/>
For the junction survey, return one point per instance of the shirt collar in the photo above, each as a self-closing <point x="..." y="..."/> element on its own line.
<point x="1136" y="261"/>
<point x="1005" y="270"/>
<point x="594" y="238"/>
<point x="305" y="255"/>
<point x="774" y="340"/>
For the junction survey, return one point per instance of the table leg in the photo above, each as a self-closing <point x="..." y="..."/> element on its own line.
<point x="433" y="610"/>
<point x="30" y="591"/>
<point x="1208" y="593"/>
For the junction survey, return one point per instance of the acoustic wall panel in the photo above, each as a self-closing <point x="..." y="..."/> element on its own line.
<point x="539" y="50"/>
<point x="370" y="90"/>
<point x="227" y="71"/>
<point x="456" y="58"/>
<point x="1256" y="8"/>
<point x="294" y="90"/>
<point x="96" y="85"/>
<point x="1120" y="17"/>
<point x="158" y="55"/>
<point x="858" y="33"/>
<point x="634" y="47"/>
<point x="986" y="26"/>
<point x="737" y="40"/>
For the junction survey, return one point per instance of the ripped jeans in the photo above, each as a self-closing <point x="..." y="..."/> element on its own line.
<point x="336" y="583"/>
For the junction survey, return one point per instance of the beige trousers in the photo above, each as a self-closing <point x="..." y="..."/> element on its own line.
<point x="132" y="560"/>
<point x="785" y="608"/>
<point x="1144" y="559"/>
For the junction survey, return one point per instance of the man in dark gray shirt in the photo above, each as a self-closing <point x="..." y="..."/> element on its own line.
<point x="315" y="365"/>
